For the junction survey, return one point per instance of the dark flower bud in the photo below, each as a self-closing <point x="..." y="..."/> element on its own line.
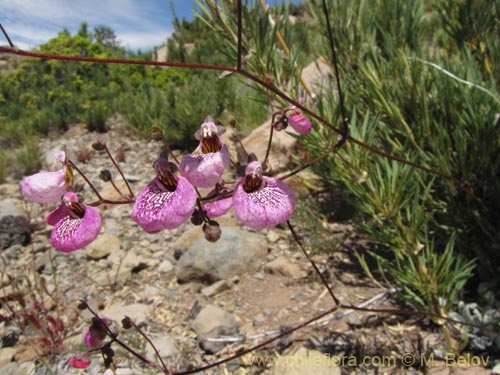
<point x="107" y="351"/>
<point x="281" y="124"/>
<point x="99" y="146"/>
<point x="197" y="218"/>
<point x="126" y="323"/>
<point x="212" y="231"/>
<point x="105" y="175"/>
<point x="157" y="135"/>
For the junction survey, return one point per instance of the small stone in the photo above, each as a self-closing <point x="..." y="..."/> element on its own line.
<point x="215" y="288"/>
<point x="214" y="322"/>
<point x="151" y="291"/>
<point x="272" y="236"/>
<point x="103" y="246"/>
<point x="165" y="345"/>
<point x="165" y="266"/>
<point x="258" y="276"/>
<point x="282" y="266"/>
<point x="39" y="247"/>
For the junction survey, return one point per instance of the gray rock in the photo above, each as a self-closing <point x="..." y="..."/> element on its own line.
<point x="214" y="322"/>
<point x="10" y="207"/>
<point x="236" y="252"/>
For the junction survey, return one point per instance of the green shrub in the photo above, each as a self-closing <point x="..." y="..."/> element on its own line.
<point x="428" y="230"/>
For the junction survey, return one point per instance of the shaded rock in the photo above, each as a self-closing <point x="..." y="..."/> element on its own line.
<point x="14" y="230"/>
<point x="104" y="245"/>
<point x="138" y="312"/>
<point x="306" y="362"/>
<point x="282" y="266"/>
<point x="236" y="252"/>
<point x="214" y="322"/>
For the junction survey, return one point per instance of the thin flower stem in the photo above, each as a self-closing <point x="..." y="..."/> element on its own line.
<point x="151" y="344"/>
<point x="114" y="338"/>
<point x="345" y="121"/>
<point x="116" y="188"/>
<point x="7" y="37"/>
<point x="264" y="84"/>
<point x="270" y="141"/>
<point x="321" y="276"/>
<point x="240" y="28"/>
<point x="261" y="345"/>
<point x="20" y="52"/>
<point x="73" y="165"/>
<point x="131" y="193"/>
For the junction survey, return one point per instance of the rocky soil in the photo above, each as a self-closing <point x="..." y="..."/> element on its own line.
<point x="197" y="301"/>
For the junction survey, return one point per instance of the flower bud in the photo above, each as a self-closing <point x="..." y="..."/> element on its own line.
<point x="212" y="231"/>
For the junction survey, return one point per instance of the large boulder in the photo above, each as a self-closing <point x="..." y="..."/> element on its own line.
<point x="236" y="252"/>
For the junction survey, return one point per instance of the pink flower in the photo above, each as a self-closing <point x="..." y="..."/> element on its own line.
<point x="299" y="122"/>
<point x="81" y="361"/>
<point x="75" y="224"/>
<point x="166" y="202"/>
<point x="95" y="333"/>
<point x="204" y="167"/>
<point x="260" y="201"/>
<point x="47" y="187"/>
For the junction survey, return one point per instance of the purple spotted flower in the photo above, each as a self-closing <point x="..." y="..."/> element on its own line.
<point x="260" y="201"/>
<point x="48" y="187"/>
<point x="166" y="202"/>
<point x="75" y="224"/>
<point x="204" y="167"/>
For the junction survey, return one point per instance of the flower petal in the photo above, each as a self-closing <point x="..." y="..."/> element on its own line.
<point x="218" y="208"/>
<point x="299" y="122"/>
<point x="44" y="187"/>
<point x="155" y="209"/>
<point x="205" y="170"/>
<point x="81" y="361"/>
<point x="70" y="234"/>
<point x="265" y="207"/>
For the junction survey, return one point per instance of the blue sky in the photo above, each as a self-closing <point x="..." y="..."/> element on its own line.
<point x="137" y="23"/>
